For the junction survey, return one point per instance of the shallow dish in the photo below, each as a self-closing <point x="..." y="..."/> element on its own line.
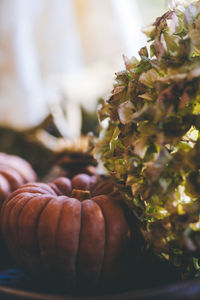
<point x="185" y="290"/>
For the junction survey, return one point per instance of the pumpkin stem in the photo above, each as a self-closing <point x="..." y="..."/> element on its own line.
<point x="81" y="194"/>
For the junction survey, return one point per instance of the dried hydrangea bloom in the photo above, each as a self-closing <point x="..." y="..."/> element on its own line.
<point x="152" y="142"/>
<point x="179" y="4"/>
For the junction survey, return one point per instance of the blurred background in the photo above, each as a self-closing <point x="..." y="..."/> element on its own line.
<point x="60" y="57"/>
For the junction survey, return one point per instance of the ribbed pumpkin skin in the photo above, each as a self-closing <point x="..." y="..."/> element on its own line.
<point x="14" y="172"/>
<point x="78" y="245"/>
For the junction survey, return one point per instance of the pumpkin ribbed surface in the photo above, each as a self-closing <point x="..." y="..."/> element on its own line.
<point x="57" y="238"/>
<point x="14" y="172"/>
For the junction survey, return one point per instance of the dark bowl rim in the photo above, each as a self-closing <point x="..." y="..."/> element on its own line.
<point x="189" y="289"/>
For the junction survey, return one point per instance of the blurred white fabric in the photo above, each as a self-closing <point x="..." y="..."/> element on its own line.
<point x="129" y="25"/>
<point x="37" y="39"/>
<point x="55" y="49"/>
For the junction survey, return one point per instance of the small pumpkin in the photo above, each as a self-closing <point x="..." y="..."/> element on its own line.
<point x="14" y="172"/>
<point x="70" y="232"/>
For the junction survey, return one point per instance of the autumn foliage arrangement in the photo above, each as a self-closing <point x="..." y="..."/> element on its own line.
<point x="73" y="232"/>
<point x="152" y="142"/>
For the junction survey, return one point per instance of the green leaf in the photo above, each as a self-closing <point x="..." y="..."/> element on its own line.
<point x="171" y="42"/>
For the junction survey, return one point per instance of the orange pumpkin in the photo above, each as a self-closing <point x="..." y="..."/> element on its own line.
<point x="70" y="232"/>
<point x="14" y="172"/>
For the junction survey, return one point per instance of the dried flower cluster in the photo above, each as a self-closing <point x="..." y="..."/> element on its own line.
<point x="152" y="142"/>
